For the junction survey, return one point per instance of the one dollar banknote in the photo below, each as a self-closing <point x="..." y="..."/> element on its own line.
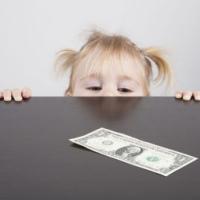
<point x="133" y="151"/>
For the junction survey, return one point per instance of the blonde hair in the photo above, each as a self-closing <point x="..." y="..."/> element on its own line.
<point x="99" y="46"/>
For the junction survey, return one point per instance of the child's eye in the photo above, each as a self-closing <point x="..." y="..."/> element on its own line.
<point x="124" y="90"/>
<point x="94" y="88"/>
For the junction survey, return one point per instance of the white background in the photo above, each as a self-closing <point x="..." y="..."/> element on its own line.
<point x="32" y="31"/>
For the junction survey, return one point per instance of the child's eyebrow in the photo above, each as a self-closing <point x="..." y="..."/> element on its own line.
<point x="121" y="78"/>
<point x="125" y="77"/>
<point x="128" y="78"/>
<point x="91" y="76"/>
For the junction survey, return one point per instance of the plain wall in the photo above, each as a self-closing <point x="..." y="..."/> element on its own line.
<point x="32" y="31"/>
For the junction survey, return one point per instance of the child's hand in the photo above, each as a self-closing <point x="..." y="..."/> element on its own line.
<point x="17" y="94"/>
<point x="187" y="95"/>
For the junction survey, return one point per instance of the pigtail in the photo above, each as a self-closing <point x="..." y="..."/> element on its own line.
<point x="165" y="72"/>
<point x="65" y="59"/>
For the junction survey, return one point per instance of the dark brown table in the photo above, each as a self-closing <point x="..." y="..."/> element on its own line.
<point x="38" y="162"/>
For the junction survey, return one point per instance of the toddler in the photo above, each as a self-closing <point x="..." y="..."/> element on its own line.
<point x="110" y="65"/>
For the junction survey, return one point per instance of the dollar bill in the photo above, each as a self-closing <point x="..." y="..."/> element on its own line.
<point x="133" y="151"/>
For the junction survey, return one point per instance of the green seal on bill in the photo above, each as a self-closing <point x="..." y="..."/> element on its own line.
<point x="152" y="158"/>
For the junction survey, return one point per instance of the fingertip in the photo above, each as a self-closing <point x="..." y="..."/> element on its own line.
<point x="18" y="98"/>
<point x="178" y="95"/>
<point x="7" y="95"/>
<point x="7" y="99"/>
<point x="197" y="95"/>
<point x="26" y="93"/>
<point x="187" y="98"/>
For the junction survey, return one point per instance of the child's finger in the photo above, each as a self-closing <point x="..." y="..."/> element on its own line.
<point x="7" y="95"/>
<point x="197" y="95"/>
<point x="179" y="94"/>
<point x="26" y="92"/>
<point x="1" y="94"/>
<point x="187" y="95"/>
<point x="16" y="93"/>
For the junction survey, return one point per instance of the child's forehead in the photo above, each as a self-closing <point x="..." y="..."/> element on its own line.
<point x="124" y="67"/>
